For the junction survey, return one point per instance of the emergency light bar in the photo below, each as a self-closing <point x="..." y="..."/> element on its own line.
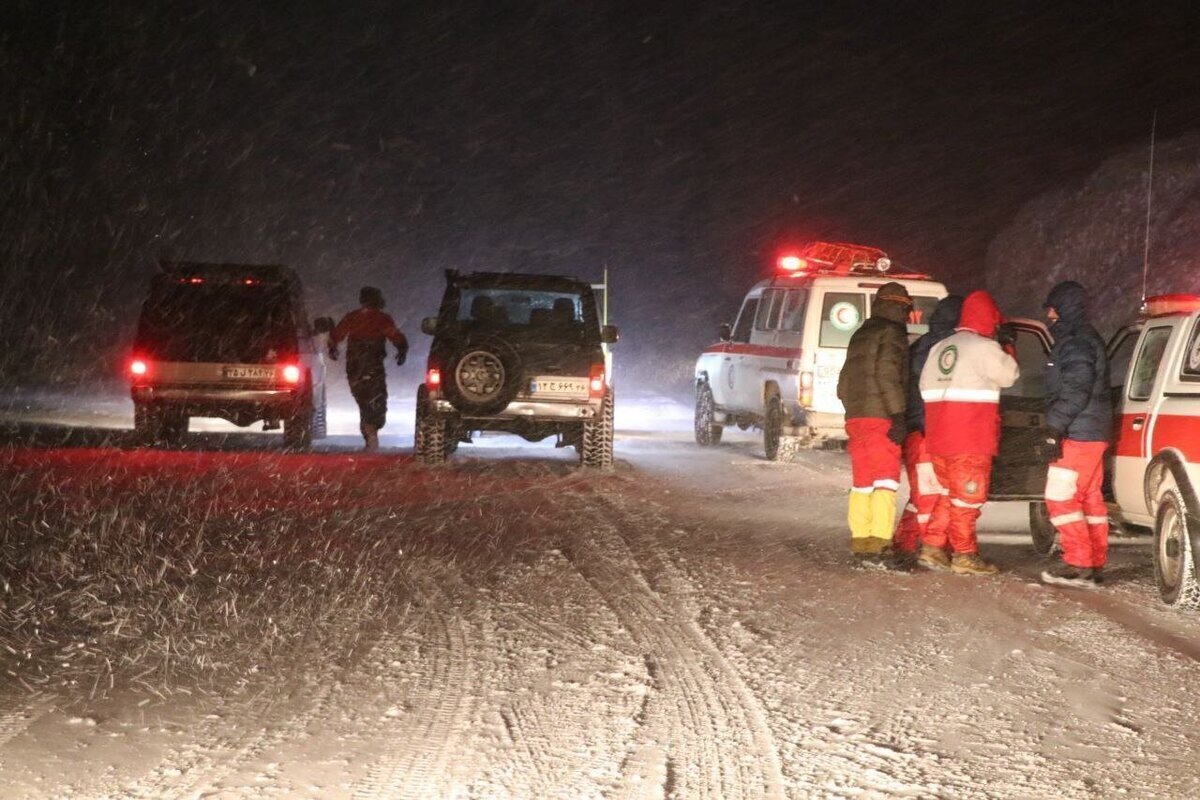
<point x="1166" y="304"/>
<point x="837" y="258"/>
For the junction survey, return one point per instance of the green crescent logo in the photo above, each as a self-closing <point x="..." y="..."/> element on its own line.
<point x="948" y="359"/>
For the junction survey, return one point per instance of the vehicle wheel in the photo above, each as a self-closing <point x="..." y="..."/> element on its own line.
<point x="147" y="423"/>
<point x="707" y="432"/>
<point x="320" y="419"/>
<point x="596" y="449"/>
<point x="1174" y="563"/>
<point x="429" y="433"/>
<point x="484" y="377"/>
<point x="298" y="427"/>
<point x="1045" y="535"/>
<point x="772" y="427"/>
<point x="172" y="427"/>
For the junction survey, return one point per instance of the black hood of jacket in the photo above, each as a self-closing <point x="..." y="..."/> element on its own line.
<point x="1069" y="299"/>
<point x="892" y="303"/>
<point x="944" y="318"/>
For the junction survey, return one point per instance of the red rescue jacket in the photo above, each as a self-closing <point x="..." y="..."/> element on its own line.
<point x="961" y="383"/>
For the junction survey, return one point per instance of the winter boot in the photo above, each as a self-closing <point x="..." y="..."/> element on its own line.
<point x="1069" y="575"/>
<point x="934" y="558"/>
<point x="1098" y="576"/>
<point x="371" y="437"/>
<point x="971" y="564"/>
<point x="903" y="560"/>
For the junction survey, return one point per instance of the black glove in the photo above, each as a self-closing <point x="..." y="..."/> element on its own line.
<point x="401" y="356"/>
<point x="1006" y="333"/>
<point x="898" y="430"/>
<point x="333" y="355"/>
<point x="1053" y="449"/>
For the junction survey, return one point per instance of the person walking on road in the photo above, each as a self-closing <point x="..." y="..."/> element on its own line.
<point x="366" y="331"/>
<point x="1079" y="419"/>
<point x="923" y="486"/>
<point x="872" y="387"/>
<point x="960" y="385"/>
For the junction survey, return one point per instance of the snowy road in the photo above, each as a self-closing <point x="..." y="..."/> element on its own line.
<point x="350" y="626"/>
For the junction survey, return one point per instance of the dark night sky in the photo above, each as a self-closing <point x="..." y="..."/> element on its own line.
<point x="681" y="145"/>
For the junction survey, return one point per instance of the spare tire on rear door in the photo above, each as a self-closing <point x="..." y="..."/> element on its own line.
<point x="483" y="377"/>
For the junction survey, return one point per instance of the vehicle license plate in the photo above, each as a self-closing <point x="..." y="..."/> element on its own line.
<point x="250" y="373"/>
<point x="544" y="385"/>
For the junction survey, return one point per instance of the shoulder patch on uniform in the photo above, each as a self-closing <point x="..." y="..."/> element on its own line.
<point x="947" y="359"/>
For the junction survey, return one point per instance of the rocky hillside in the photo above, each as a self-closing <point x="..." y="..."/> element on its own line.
<point x="1093" y="231"/>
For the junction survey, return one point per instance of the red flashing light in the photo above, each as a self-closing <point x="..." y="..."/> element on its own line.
<point x="139" y="368"/>
<point x="793" y="263"/>
<point x="192" y="280"/>
<point x="433" y="377"/>
<point x="1164" y="304"/>
<point x="249" y="281"/>
<point x="291" y="373"/>
<point x="596" y="381"/>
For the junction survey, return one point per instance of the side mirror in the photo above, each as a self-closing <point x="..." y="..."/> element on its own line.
<point x="609" y="334"/>
<point x="725" y="332"/>
<point x="323" y="325"/>
<point x="429" y="325"/>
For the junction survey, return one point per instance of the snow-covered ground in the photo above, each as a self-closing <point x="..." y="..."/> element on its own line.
<point x="688" y="626"/>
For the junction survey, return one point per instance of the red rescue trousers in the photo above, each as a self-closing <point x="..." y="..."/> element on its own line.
<point x="874" y="458"/>
<point x="1075" y="501"/>
<point x="964" y="481"/>
<point x="923" y="493"/>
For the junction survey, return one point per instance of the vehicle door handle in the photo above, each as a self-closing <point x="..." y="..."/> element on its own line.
<point x="1138" y="423"/>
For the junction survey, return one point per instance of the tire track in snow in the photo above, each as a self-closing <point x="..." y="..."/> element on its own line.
<point x="704" y="733"/>
<point x="418" y="761"/>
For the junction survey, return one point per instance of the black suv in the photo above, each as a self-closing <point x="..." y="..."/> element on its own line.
<point x="230" y="341"/>
<point x="523" y="354"/>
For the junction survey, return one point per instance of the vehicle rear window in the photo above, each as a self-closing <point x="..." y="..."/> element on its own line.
<point x="1145" y="369"/>
<point x="526" y="309"/>
<point x="216" y="322"/>
<point x="918" y="318"/>
<point x="793" y="310"/>
<point x="768" y="310"/>
<point x="841" y="315"/>
<point x="1191" y="357"/>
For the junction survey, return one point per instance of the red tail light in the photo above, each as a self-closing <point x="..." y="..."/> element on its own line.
<point x="596" y="381"/>
<point x="139" y="369"/>
<point x="291" y="373"/>
<point x="433" y="378"/>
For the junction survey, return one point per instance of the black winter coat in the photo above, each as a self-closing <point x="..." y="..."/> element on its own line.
<point x="874" y="379"/>
<point x="1078" y="399"/>
<point x="941" y="324"/>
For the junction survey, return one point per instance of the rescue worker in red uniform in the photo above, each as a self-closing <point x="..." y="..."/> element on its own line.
<point x="366" y="331"/>
<point x="923" y="486"/>
<point x="961" y="385"/>
<point x="1079" y="419"/>
<point x="873" y="386"/>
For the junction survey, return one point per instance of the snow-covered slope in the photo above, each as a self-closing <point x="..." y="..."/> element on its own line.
<point x="1093" y="231"/>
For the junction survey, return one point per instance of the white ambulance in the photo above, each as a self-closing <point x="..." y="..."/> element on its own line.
<point x="776" y="368"/>
<point x="1156" y="464"/>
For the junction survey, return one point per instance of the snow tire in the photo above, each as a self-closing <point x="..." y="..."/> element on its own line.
<point x="1044" y="534"/>
<point x="1174" y="561"/>
<point x="708" y="433"/>
<point x="596" y="447"/>
<point x="430" y="435"/>
<point x="772" y="427"/>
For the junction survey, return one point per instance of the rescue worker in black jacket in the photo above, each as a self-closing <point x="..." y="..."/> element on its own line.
<point x="873" y="387"/>
<point x="923" y="486"/>
<point x="1079" y="419"/>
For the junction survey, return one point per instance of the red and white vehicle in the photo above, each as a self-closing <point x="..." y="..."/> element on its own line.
<point x="777" y="366"/>
<point x="1156" y="464"/>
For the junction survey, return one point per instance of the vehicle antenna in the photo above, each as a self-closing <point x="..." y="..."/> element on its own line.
<point x="1149" y="196"/>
